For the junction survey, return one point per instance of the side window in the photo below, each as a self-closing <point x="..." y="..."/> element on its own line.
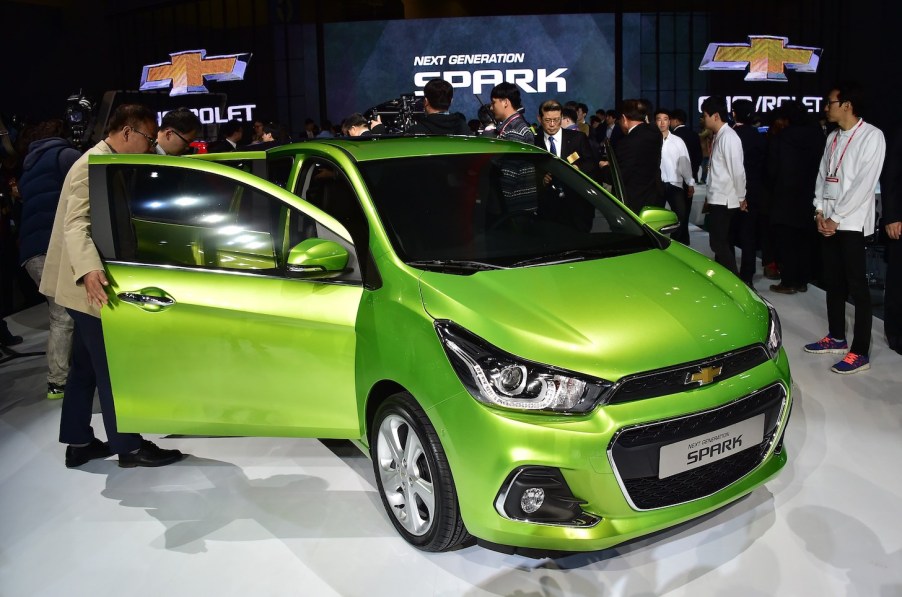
<point x="323" y="184"/>
<point x="278" y="170"/>
<point x="179" y="216"/>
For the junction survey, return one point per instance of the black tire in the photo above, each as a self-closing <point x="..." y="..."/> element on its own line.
<point x="428" y="520"/>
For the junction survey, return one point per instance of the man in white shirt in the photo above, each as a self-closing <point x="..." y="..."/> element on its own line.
<point x="676" y="171"/>
<point x="844" y="204"/>
<point x="726" y="181"/>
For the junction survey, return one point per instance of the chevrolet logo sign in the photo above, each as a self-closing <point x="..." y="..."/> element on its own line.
<point x="766" y="57"/>
<point x="188" y="71"/>
<point x="705" y="376"/>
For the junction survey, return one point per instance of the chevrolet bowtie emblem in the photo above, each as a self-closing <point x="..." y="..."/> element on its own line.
<point x="705" y="376"/>
<point x="188" y="71"/>
<point x="765" y="56"/>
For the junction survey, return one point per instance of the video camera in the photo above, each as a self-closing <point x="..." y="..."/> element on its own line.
<point x="79" y="118"/>
<point x="397" y="115"/>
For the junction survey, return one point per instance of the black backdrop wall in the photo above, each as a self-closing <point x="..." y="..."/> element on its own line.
<point x="52" y="48"/>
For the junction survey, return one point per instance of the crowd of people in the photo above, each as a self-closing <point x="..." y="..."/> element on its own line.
<point x="799" y="191"/>
<point x="771" y="188"/>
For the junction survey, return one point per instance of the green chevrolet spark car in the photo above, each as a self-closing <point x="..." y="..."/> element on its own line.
<point x="527" y="362"/>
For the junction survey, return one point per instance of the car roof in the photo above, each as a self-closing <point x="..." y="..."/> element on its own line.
<point x="363" y="149"/>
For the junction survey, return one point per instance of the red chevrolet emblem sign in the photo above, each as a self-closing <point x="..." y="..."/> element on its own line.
<point x="766" y="57"/>
<point x="188" y="71"/>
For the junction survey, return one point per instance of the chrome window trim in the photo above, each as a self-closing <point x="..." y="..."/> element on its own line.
<point x="230" y="272"/>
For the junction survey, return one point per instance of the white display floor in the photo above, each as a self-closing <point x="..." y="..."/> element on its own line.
<point x="259" y="516"/>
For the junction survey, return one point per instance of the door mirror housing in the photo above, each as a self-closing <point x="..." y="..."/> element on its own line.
<point x="659" y="220"/>
<point x="317" y="258"/>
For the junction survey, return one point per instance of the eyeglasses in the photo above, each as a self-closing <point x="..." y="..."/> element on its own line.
<point x="827" y="102"/>
<point x="184" y="140"/>
<point x="151" y="142"/>
<point x="551" y="120"/>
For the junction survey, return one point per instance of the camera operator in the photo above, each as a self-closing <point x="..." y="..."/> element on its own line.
<point x="356" y="125"/>
<point x="438" y="94"/>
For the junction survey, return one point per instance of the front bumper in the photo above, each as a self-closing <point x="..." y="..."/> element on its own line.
<point x="608" y="460"/>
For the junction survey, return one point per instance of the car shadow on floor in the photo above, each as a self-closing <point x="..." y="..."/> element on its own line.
<point x="198" y="500"/>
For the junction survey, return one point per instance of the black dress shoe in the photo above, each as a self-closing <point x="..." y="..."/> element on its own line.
<point x="149" y="454"/>
<point x="781" y="289"/>
<point x="78" y="455"/>
<point x="7" y="338"/>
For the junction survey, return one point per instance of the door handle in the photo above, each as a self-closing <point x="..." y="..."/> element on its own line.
<point x="146" y="300"/>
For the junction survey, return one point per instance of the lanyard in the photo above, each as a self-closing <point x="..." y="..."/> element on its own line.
<point x="843" y="154"/>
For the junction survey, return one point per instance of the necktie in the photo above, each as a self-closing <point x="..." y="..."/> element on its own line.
<point x="551" y="145"/>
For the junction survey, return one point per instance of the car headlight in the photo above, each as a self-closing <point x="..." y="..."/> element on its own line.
<point x="774" y="331"/>
<point x="498" y="378"/>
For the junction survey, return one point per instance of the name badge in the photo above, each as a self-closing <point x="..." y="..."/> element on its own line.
<point x="831" y="188"/>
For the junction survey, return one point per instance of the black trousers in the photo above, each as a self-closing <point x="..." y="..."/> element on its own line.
<point x="745" y="236"/>
<point x="795" y="248"/>
<point x="720" y="221"/>
<point x="845" y="275"/>
<point x="679" y="202"/>
<point x="89" y="371"/>
<point x="892" y="300"/>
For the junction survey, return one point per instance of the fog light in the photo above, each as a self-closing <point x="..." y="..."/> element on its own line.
<point x="540" y="495"/>
<point x="532" y="499"/>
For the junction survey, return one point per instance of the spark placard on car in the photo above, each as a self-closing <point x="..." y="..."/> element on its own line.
<point x="710" y="447"/>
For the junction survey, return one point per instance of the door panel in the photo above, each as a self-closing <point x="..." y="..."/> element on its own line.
<point x="206" y="333"/>
<point x="233" y="354"/>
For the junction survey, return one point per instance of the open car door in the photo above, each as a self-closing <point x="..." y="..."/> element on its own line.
<point x="220" y="322"/>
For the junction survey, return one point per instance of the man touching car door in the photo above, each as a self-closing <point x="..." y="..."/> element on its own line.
<point x="74" y="276"/>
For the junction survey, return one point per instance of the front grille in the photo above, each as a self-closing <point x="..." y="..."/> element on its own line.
<point x="634" y="452"/>
<point x="673" y="380"/>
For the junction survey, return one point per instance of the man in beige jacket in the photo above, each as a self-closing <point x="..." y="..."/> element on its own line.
<point x="74" y="277"/>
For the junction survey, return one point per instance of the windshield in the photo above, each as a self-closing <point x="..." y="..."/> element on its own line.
<point x="482" y="211"/>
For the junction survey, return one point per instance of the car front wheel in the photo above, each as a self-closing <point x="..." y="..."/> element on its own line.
<point x="414" y="477"/>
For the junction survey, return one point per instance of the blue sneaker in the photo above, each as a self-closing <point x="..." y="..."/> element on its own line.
<point x="853" y="363"/>
<point x="828" y="344"/>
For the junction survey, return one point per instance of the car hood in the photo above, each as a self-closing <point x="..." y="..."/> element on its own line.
<point x="606" y="317"/>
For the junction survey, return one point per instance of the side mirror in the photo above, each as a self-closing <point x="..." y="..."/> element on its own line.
<point x="316" y="258"/>
<point x="660" y="220"/>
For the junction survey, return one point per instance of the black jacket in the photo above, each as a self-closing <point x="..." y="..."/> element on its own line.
<point x="221" y="146"/>
<point x="573" y="142"/>
<point x="638" y="155"/>
<point x="554" y="203"/>
<point x="891" y="182"/>
<point x="693" y="144"/>
<point x="754" y="158"/>
<point x="440" y="123"/>
<point x="44" y="170"/>
<point x="794" y="157"/>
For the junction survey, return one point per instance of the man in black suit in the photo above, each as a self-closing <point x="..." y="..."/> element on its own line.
<point x="679" y="128"/>
<point x="572" y="146"/>
<point x="891" y="218"/>
<point x="230" y="135"/>
<point x="638" y="156"/>
<point x="754" y="158"/>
